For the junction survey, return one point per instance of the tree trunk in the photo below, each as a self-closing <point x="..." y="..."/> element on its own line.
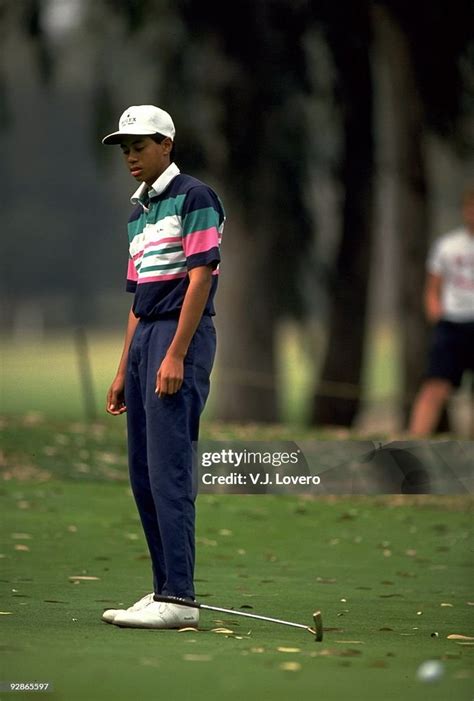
<point x="246" y="367"/>
<point x="338" y="394"/>
<point x="247" y="92"/>
<point x="411" y="210"/>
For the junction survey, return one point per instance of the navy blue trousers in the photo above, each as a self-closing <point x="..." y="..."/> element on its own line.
<point x="161" y="432"/>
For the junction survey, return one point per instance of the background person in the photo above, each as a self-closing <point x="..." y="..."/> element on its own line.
<point x="449" y="304"/>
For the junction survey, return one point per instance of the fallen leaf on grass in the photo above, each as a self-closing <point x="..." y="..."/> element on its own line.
<point x="289" y="649"/>
<point x="224" y="631"/>
<point x="336" y="652"/>
<point x="447" y="605"/>
<point x="222" y="622"/>
<point x="83" y="578"/>
<point x="455" y="636"/>
<point x="197" y="658"/>
<point x="23" y="548"/>
<point x="390" y="596"/>
<point x="6" y="613"/>
<point x="326" y="580"/>
<point x="206" y="541"/>
<point x="149" y="662"/>
<point x="463" y="674"/>
<point x="290" y="666"/>
<point x="21" y="536"/>
<point x="188" y="630"/>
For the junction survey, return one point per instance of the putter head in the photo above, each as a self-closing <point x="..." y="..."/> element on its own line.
<point x="318" y="626"/>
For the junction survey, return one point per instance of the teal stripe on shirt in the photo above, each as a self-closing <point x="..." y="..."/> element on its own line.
<point x="200" y="219"/>
<point x="164" y="250"/>
<point x="165" y="266"/>
<point x="172" y="206"/>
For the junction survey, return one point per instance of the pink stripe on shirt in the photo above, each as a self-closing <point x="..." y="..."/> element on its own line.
<point x="161" y="278"/>
<point x="200" y="241"/>
<point x="169" y="239"/>
<point x="131" y="271"/>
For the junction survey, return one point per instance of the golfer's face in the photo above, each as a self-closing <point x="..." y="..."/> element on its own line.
<point x="145" y="159"/>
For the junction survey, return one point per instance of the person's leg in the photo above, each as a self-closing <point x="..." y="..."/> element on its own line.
<point x="428" y="405"/>
<point x="172" y="426"/>
<point x="443" y="375"/>
<point x="135" y="389"/>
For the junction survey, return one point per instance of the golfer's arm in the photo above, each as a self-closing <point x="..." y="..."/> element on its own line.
<point x="131" y="326"/>
<point x="200" y="280"/>
<point x="433" y="287"/>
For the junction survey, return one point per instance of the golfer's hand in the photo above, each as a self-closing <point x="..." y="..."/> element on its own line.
<point x="169" y="377"/>
<point x="116" y="398"/>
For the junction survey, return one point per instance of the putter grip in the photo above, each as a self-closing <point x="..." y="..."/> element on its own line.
<point x="176" y="600"/>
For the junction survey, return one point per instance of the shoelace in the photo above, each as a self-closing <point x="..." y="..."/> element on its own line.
<point x="144" y="601"/>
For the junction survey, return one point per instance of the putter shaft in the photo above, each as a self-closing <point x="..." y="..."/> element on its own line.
<point x="317" y="631"/>
<point x="253" y="615"/>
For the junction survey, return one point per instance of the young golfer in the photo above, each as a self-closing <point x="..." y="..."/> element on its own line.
<point x="162" y="381"/>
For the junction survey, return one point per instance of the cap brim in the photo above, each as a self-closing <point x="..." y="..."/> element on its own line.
<point x="117" y="136"/>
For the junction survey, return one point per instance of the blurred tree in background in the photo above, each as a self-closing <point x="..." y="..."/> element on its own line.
<point x="299" y="113"/>
<point x="424" y="46"/>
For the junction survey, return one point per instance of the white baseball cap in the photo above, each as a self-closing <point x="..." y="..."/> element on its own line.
<point x="142" y="120"/>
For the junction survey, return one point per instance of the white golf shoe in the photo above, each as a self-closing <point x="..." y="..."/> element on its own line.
<point x="109" y="615"/>
<point x="158" y="614"/>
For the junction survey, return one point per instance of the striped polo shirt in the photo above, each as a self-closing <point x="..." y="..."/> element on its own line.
<point x="176" y="225"/>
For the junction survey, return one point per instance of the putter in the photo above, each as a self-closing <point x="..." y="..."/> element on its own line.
<point x="317" y="630"/>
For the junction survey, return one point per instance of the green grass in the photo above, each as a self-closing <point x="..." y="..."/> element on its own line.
<point x="379" y="569"/>
<point x="42" y="376"/>
<point x="307" y="555"/>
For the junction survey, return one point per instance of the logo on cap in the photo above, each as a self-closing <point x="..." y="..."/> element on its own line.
<point x="127" y="120"/>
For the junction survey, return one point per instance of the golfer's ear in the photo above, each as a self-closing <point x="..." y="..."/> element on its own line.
<point x="167" y="144"/>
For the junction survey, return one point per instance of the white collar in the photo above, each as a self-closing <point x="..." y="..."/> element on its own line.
<point x="158" y="186"/>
